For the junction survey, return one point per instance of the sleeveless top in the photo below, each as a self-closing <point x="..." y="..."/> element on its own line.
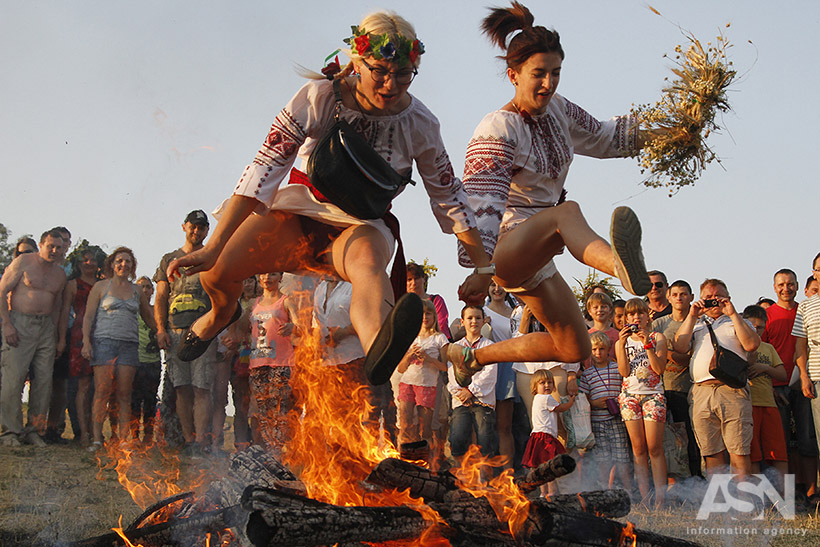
<point x="642" y="379"/>
<point x="270" y="349"/>
<point x="117" y="318"/>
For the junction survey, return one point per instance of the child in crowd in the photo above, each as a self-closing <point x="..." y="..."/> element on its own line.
<point x="618" y="314"/>
<point x="419" y="369"/>
<point x="474" y="405"/>
<point x="768" y="438"/>
<point x="599" y="307"/>
<point x="544" y="444"/>
<point x="641" y="361"/>
<point x="271" y="362"/>
<point x="601" y="382"/>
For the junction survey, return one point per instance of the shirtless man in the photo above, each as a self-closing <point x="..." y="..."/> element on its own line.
<point x="30" y="294"/>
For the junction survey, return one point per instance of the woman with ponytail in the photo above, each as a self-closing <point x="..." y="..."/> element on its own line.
<point x="276" y="221"/>
<point x="516" y="165"/>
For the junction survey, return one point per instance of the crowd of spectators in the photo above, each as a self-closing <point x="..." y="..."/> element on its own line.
<point x="86" y="338"/>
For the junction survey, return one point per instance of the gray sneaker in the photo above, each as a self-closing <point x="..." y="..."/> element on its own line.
<point x="34" y="439"/>
<point x="625" y="235"/>
<point x="9" y="440"/>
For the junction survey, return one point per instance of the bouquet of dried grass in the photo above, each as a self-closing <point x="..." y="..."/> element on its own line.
<point x="678" y="125"/>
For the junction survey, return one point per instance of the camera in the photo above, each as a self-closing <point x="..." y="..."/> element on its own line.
<point x="711" y="303"/>
<point x="634" y="327"/>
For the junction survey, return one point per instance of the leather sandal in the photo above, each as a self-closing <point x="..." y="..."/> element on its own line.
<point x="192" y="346"/>
<point x="398" y="331"/>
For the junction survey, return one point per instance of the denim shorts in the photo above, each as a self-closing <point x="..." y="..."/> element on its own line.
<point x="108" y="351"/>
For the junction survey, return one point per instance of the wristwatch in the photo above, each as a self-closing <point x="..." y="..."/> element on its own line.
<point x="483" y="270"/>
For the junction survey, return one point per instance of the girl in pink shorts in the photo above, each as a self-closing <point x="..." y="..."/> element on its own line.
<point x="419" y="369"/>
<point x="641" y="360"/>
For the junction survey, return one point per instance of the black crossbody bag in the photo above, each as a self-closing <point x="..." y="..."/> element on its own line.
<point x="727" y="366"/>
<point x="350" y="173"/>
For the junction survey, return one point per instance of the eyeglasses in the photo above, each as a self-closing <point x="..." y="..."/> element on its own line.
<point x="379" y="74"/>
<point x="658" y="284"/>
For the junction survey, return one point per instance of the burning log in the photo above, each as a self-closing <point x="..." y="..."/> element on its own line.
<point x="557" y="467"/>
<point x="175" y="532"/>
<point x="278" y="518"/>
<point x="432" y="486"/>
<point x="423" y="483"/>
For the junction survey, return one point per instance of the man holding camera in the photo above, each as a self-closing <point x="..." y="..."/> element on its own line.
<point x="721" y="415"/>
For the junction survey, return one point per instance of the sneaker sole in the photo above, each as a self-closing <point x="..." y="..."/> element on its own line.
<point x="398" y="331"/>
<point x="625" y="235"/>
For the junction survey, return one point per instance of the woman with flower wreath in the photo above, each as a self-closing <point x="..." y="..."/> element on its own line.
<point x="276" y="221"/>
<point x="516" y="165"/>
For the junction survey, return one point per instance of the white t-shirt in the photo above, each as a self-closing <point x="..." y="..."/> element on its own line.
<point x="703" y="351"/>
<point x="544" y="419"/>
<point x="418" y="374"/>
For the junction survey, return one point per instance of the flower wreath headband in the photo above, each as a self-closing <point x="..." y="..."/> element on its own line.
<point x="379" y="46"/>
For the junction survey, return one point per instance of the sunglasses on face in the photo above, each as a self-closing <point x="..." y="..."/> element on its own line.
<point x="658" y="284"/>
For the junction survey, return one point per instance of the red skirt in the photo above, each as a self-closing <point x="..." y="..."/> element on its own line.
<point x="542" y="447"/>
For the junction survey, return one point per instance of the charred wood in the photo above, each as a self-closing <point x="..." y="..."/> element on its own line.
<point x="277" y="518"/>
<point x="560" y="465"/>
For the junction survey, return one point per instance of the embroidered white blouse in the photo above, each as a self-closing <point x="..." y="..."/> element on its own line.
<point x="411" y="135"/>
<point x="517" y="166"/>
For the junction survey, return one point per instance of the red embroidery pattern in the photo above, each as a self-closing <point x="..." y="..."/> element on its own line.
<point x="284" y="139"/>
<point x="488" y="167"/>
<point x="550" y="147"/>
<point x="581" y="117"/>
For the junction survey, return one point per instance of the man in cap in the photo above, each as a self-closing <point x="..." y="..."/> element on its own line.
<point x="177" y="305"/>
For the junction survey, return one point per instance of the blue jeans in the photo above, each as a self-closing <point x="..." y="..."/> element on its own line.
<point x="464" y="421"/>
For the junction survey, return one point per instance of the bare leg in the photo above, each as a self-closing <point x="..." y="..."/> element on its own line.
<point x="125" y="380"/>
<point x="425" y="423"/>
<point x="185" y="411"/>
<point x="202" y="414"/>
<point x="741" y="465"/>
<point x="654" y="442"/>
<point x="567" y="341"/>
<point x="263" y="243"/>
<point x="637" y="437"/>
<point x="360" y="255"/>
<point x="504" y="416"/>
<point x="84" y="408"/>
<point x="407" y="430"/>
<point x="523" y="251"/>
<point x="103" y="385"/>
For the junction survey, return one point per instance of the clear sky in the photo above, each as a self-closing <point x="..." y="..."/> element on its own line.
<point x="117" y="118"/>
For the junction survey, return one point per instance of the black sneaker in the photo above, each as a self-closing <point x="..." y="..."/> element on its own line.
<point x="192" y="346"/>
<point x="398" y="331"/>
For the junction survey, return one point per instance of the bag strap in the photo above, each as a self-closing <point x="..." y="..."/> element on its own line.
<point x="712" y="335"/>
<point x="337" y="93"/>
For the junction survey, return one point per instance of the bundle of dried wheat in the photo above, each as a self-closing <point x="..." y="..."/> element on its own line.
<point x="678" y="125"/>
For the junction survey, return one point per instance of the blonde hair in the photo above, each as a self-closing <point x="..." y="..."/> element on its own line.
<point x="599" y="298"/>
<point x="429" y="306"/>
<point x="541" y="374"/>
<point x="636" y="305"/>
<point x="601" y="338"/>
<point x="377" y="22"/>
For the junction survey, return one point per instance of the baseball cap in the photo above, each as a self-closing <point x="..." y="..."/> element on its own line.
<point x="197" y="216"/>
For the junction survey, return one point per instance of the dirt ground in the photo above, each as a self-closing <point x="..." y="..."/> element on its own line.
<point x="58" y="494"/>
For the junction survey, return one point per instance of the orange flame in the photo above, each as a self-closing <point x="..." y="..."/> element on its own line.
<point x="118" y="529"/>
<point x="582" y="501"/>
<point x="627" y="533"/>
<point x="509" y="504"/>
